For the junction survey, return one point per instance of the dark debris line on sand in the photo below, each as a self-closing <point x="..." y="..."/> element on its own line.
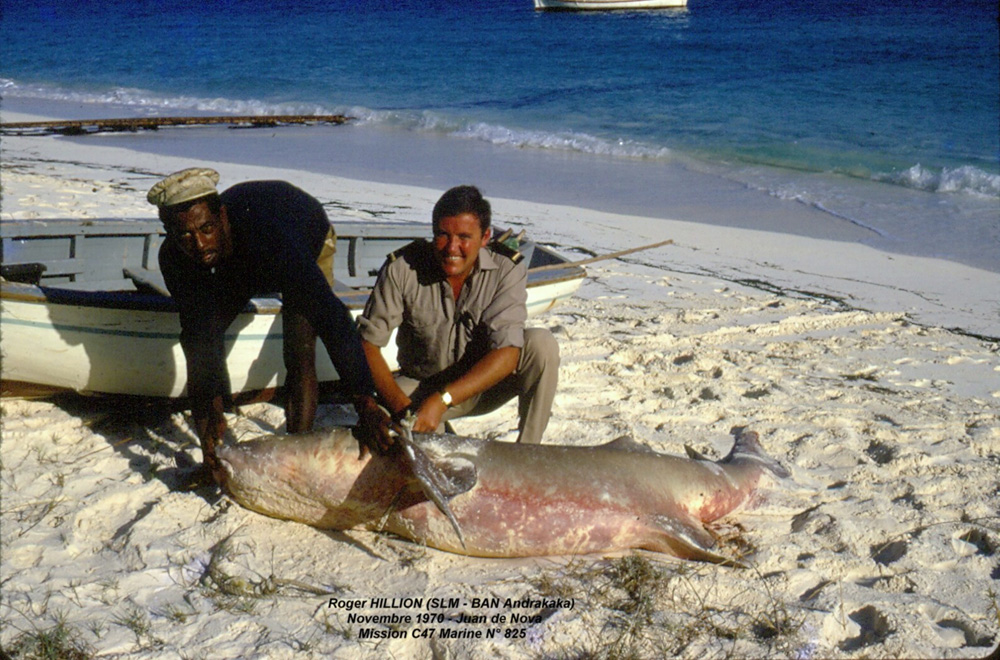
<point x="87" y="126"/>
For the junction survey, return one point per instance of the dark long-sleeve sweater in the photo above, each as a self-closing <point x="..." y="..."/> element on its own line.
<point x="277" y="233"/>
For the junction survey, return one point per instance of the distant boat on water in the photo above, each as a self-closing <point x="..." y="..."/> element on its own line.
<point x="609" y="4"/>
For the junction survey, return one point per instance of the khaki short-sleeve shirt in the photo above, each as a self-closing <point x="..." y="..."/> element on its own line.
<point x="435" y="330"/>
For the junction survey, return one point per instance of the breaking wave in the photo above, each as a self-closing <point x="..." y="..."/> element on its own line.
<point x="947" y="180"/>
<point x="150" y="104"/>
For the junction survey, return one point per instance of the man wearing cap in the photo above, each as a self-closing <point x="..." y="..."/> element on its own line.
<point x="459" y="306"/>
<point x="254" y="238"/>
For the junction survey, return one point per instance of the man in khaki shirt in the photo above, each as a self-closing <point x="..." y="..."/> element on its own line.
<point x="460" y="310"/>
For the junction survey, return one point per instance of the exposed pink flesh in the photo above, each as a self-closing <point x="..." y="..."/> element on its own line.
<point x="527" y="500"/>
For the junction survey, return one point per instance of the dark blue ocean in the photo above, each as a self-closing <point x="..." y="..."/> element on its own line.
<point x="881" y="114"/>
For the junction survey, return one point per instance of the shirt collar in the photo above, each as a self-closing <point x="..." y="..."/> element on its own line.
<point x="486" y="260"/>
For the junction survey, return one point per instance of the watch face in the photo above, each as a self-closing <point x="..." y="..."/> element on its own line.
<point x="446" y="397"/>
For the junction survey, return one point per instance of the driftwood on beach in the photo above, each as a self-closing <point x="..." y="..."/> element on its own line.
<point x="86" y="126"/>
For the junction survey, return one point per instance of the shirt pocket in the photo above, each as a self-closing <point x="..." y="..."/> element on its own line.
<point x="425" y="343"/>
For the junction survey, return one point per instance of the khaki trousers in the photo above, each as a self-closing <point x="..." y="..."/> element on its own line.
<point x="534" y="384"/>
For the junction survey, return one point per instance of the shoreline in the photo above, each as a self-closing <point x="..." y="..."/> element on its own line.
<point x="681" y="188"/>
<point x="883" y="543"/>
<point x="399" y="157"/>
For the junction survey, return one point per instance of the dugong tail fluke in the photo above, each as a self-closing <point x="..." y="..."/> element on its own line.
<point x="498" y="499"/>
<point x="746" y="447"/>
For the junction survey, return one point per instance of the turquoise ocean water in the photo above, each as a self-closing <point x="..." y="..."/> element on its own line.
<point x="880" y="114"/>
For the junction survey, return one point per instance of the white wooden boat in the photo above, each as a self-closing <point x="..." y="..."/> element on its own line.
<point x="583" y="5"/>
<point x="84" y="308"/>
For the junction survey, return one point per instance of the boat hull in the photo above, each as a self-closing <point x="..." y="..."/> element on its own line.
<point x="127" y="351"/>
<point x="584" y="5"/>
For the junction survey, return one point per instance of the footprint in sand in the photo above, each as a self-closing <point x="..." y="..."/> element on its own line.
<point x="813" y="521"/>
<point x="873" y="625"/>
<point x="951" y="628"/>
<point x="96" y="524"/>
<point x="880" y="452"/>
<point x="972" y="542"/>
<point x="888" y="553"/>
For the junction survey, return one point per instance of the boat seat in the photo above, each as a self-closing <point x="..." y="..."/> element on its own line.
<point x="30" y="273"/>
<point x="96" y="286"/>
<point x="146" y="280"/>
<point x="340" y="286"/>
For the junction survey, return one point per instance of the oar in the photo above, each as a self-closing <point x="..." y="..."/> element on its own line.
<point x="603" y="257"/>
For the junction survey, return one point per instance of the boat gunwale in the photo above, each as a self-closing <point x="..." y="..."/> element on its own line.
<point x="153" y="302"/>
<point x="129" y="299"/>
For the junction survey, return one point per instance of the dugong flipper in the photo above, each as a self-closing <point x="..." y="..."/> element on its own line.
<point x="441" y="480"/>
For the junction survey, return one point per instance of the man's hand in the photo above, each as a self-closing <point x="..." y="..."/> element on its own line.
<point x="214" y="467"/>
<point x="372" y="429"/>
<point x="429" y="414"/>
<point x="211" y="428"/>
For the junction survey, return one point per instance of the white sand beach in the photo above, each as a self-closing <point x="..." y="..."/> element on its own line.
<point x="873" y="377"/>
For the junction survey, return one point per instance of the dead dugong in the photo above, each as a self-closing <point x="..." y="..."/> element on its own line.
<point x="510" y="500"/>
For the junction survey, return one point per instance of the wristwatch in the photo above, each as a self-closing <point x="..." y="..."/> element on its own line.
<point x="446" y="397"/>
